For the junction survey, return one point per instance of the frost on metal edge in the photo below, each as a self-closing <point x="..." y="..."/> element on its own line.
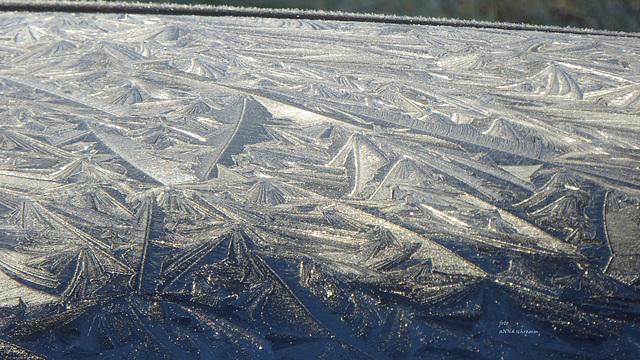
<point x="194" y="188"/>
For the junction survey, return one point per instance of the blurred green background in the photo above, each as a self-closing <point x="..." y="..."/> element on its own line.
<point x="621" y="15"/>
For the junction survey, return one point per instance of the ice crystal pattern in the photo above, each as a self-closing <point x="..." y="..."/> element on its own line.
<point x="202" y="188"/>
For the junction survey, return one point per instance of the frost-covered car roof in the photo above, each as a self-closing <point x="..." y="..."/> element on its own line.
<point x="194" y="187"/>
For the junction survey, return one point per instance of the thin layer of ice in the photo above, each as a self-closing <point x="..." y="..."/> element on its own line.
<point x="231" y="187"/>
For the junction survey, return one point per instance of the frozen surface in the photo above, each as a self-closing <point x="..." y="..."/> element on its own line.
<point x="202" y="188"/>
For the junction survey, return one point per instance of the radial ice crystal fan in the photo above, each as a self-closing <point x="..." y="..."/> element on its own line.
<point x="190" y="187"/>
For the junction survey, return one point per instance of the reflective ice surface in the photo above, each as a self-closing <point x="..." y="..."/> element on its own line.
<point x="201" y="188"/>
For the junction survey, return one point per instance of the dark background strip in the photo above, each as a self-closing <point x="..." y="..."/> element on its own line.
<point x="204" y="10"/>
